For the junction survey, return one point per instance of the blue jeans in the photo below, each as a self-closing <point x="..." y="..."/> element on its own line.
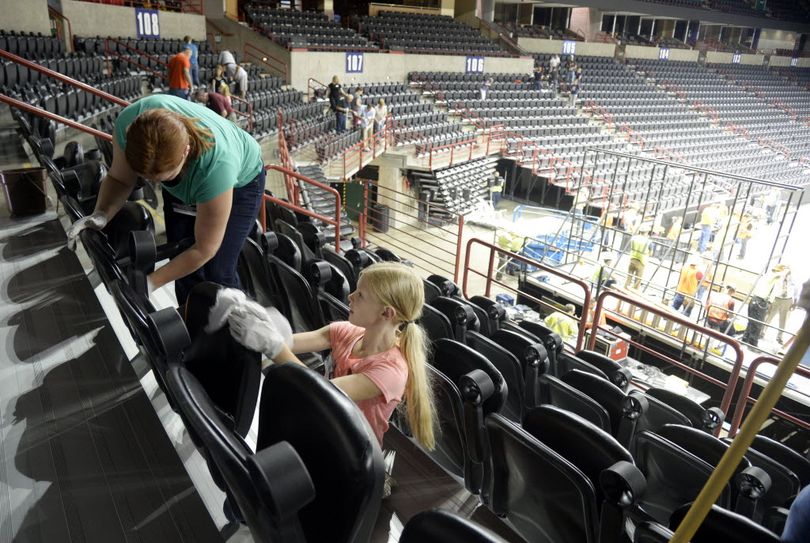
<point x="180" y="93"/>
<point x="681" y="300"/>
<point x="705" y="236"/>
<point x="340" y="122"/>
<point x="222" y="268"/>
<point x="496" y="197"/>
<point x="195" y="74"/>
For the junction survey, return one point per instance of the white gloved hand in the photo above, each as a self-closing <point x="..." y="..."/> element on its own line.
<point x="95" y="221"/>
<point x="227" y="299"/>
<point x="150" y="286"/>
<point x="254" y="327"/>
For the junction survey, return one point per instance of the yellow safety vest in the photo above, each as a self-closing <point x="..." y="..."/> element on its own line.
<point x="562" y="324"/>
<point x="639" y="247"/>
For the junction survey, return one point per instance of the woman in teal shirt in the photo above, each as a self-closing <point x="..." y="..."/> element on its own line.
<point x="200" y="159"/>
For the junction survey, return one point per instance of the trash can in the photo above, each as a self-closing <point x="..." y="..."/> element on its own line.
<point x="25" y="190"/>
<point x="379" y="217"/>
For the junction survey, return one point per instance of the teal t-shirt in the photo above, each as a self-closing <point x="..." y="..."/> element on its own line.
<point x="233" y="162"/>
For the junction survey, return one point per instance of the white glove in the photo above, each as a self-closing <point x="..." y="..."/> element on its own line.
<point x="259" y="329"/>
<point x="150" y="286"/>
<point x="96" y="221"/>
<point x="227" y="299"/>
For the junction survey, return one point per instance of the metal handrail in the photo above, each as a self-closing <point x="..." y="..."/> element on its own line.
<point x="494" y="249"/>
<point x="63" y="78"/>
<point x="744" y="397"/>
<point x="59" y="15"/>
<point x="311" y="87"/>
<point x="730" y="387"/>
<point x="28" y="108"/>
<point x="263" y="56"/>
<point x="452" y="146"/>
<point x="294" y="205"/>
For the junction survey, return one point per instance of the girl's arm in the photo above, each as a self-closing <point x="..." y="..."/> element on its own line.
<point x="209" y="230"/>
<point x="310" y="342"/>
<point x="357" y="387"/>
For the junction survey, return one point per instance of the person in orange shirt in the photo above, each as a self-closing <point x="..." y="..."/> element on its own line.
<point x="180" y="83"/>
<point x="687" y="288"/>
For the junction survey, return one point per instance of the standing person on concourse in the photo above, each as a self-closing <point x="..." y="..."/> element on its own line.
<point x="200" y="159"/>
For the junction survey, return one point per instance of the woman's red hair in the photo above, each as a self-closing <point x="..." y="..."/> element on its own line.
<point x="157" y="139"/>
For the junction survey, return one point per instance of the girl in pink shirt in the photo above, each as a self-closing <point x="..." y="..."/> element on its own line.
<point x="379" y="355"/>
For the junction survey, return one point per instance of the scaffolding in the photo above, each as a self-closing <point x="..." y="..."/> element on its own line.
<point x="617" y="195"/>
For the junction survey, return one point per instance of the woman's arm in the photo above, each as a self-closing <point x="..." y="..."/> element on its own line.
<point x="209" y="230"/>
<point x="310" y="342"/>
<point x="117" y="185"/>
<point x="358" y="387"/>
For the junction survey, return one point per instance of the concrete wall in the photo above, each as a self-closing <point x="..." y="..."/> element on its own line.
<point x="32" y="17"/>
<point x="770" y="39"/>
<point x="535" y="45"/>
<point x="752" y="59"/>
<point x="779" y="61"/>
<point x="683" y="54"/>
<point x="90" y="19"/>
<point x="380" y="67"/>
<point x="641" y="51"/>
<point x="715" y="57"/>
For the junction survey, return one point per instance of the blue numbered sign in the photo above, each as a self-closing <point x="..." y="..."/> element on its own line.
<point x="663" y="53"/>
<point x="354" y="63"/>
<point x="736" y="58"/>
<point x="474" y="65"/>
<point x="569" y="47"/>
<point x="147" y="24"/>
<point x="794" y="61"/>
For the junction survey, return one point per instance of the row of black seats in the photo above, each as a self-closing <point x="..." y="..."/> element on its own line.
<point x="33" y="46"/>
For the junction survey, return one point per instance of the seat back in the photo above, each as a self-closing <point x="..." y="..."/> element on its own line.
<point x="436" y="324"/>
<point x="653" y="415"/>
<point x="532" y="357"/>
<point x="554" y="391"/>
<point x="258" y="280"/>
<point x="307" y="254"/>
<point x="616" y="374"/>
<point x="432" y="291"/>
<point x="236" y="390"/>
<point x="439" y="526"/>
<point x="494" y="311"/>
<point x="677" y="461"/>
<point x="606" y="394"/>
<point x="305" y="312"/>
<point x="314" y="416"/>
<point x="268" y="499"/>
<point x="449" y="450"/>
<point x="785" y="456"/>
<point x="545" y="473"/>
<point x="341" y="263"/>
<point x="462" y="318"/>
<point x="699" y="416"/>
<point x="510" y="369"/>
<point x="456" y="361"/>
<point x="331" y="289"/>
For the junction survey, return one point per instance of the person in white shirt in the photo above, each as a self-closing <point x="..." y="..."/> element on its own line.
<point x="380" y="115"/>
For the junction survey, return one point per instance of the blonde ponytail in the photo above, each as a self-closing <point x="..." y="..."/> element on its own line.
<point x="418" y="391"/>
<point x="397" y="286"/>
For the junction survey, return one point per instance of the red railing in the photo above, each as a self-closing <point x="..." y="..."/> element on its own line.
<point x="250" y="50"/>
<point x="28" y="108"/>
<point x="494" y="249"/>
<point x="452" y="147"/>
<point x="63" y="78"/>
<point x="311" y="88"/>
<point x="745" y="398"/>
<point x="56" y="14"/>
<point x="294" y="202"/>
<point x="685" y="324"/>
<point x="108" y="51"/>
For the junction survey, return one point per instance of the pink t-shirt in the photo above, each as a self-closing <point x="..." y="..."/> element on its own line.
<point x="388" y="370"/>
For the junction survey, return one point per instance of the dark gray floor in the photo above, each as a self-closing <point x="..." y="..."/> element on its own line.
<point x="83" y="456"/>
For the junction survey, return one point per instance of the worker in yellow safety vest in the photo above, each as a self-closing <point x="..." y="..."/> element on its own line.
<point x="508" y="241"/>
<point x="640" y="249"/>
<point x="564" y="323"/>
